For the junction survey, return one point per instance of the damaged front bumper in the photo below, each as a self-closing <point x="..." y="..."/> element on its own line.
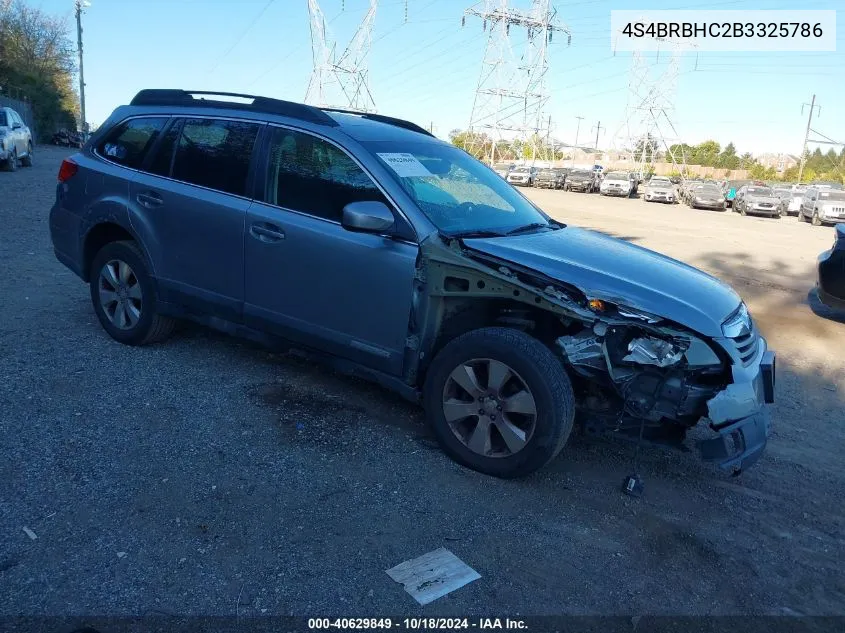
<point x="739" y="416"/>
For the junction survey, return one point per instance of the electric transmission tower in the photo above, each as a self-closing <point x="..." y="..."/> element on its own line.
<point x="339" y="79"/>
<point x="512" y="95"/>
<point x="648" y="126"/>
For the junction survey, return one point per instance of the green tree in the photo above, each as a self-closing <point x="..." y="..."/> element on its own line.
<point x="37" y="63"/>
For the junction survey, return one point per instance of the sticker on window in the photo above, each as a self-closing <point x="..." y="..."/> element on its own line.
<point x="406" y="165"/>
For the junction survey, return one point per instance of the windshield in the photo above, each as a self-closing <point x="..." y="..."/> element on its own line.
<point x="457" y="193"/>
<point x="759" y="191"/>
<point x="581" y="174"/>
<point x="521" y="170"/>
<point x="616" y="175"/>
<point x="659" y="182"/>
<point x="501" y="166"/>
<point x="709" y="189"/>
<point x="832" y="195"/>
<point x="783" y="193"/>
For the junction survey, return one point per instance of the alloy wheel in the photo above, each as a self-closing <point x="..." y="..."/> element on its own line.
<point x="489" y="408"/>
<point x="120" y="294"/>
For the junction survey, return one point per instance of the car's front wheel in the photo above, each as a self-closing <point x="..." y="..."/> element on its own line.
<point x="499" y="402"/>
<point x="26" y="161"/>
<point x="817" y="221"/>
<point x="123" y="296"/>
<point x="12" y="161"/>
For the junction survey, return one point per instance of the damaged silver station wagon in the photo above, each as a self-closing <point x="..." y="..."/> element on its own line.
<point x="364" y="240"/>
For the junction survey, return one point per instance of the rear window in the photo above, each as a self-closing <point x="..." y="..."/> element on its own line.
<point x="215" y="154"/>
<point x="129" y="142"/>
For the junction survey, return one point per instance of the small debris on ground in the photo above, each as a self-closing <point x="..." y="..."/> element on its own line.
<point x="30" y="533"/>
<point x="433" y="575"/>
<point x="121" y="554"/>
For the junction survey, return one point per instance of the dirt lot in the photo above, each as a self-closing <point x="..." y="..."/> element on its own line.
<point x="210" y="476"/>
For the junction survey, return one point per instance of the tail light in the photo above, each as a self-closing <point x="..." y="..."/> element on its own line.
<point x="67" y="170"/>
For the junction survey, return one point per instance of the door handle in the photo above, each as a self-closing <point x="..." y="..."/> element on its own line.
<point x="149" y="199"/>
<point x="267" y="232"/>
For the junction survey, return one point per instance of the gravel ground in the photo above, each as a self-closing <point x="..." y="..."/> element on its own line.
<point x="210" y="476"/>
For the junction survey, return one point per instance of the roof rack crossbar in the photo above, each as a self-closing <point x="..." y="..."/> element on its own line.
<point x="176" y="97"/>
<point x="381" y="118"/>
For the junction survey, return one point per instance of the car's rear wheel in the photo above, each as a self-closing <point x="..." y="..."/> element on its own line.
<point x="499" y="402"/>
<point x="26" y="161"/>
<point x="123" y="295"/>
<point x="12" y="161"/>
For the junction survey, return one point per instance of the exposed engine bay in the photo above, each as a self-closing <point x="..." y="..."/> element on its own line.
<point x="636" y="379"/>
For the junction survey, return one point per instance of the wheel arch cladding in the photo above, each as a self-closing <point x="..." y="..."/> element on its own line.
<point x="104" y="233"/>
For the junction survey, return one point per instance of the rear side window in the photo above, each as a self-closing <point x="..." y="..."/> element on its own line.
<point x="129" y="142"/>
<point x="313" y="176"/>
<point x="215" y="154"/>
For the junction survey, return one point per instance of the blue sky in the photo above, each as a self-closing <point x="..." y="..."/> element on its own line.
<point x="426" y="68"/>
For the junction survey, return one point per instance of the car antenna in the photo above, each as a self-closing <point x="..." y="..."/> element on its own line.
<point x="633" y="484"/>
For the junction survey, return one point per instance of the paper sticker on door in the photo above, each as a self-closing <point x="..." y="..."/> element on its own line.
<point x="406" y="165"/>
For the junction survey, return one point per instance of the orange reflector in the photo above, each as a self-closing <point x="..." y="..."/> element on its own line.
<point x="598" y="304"/>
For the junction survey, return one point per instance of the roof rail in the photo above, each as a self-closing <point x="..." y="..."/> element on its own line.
<point x="176" y="97"/>
<point x="381" y="118"/>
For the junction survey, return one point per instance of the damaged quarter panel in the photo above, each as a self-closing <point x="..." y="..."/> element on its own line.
<point x="608" y="268"/>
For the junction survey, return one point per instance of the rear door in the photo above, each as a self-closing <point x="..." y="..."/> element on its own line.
<point x="188" y="203"/>
<point x="311" y="280"/>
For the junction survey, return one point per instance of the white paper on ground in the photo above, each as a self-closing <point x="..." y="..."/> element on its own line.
<point x="406" y="165"/>
<point x="433" y="575"/>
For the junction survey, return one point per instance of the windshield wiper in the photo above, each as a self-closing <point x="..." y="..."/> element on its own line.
<point x="479" y="233"/>
<point x="529" y="227"/>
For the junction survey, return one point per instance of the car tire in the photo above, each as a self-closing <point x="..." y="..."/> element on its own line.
<point x="26" y="161"/>
<point x="816" y="221"/>
<point x="532" y="369"/>
<point x="742" y="210"/>
<point x="12" y="161"/>
<point x="133" y="292"/>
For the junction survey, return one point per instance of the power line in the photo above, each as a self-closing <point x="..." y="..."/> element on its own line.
<point x="242" y="35"/>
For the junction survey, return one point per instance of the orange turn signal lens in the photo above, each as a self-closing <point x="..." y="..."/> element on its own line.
<point x="598" y="305"/>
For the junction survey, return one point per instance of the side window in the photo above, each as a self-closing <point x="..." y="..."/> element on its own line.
<point x="215" y="154"/>
<point x="129" y="142"/>
<point x="162" y="160"/>
<point x="313" y="176"/>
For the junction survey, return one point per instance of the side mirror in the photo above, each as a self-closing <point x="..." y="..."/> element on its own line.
<point x="367" y="217"/>
<point x="16" y="126"/>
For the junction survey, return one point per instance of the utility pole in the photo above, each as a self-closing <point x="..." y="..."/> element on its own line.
<point x="812" y="105"/>
<point x="578" y="129"/>
<point x="79" y="5"/>
<point x="598" y="128"/>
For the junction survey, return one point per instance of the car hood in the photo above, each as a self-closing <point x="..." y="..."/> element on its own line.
<point x="617" y="271"/>
<point x="759" y="199"/>
<point x="660" y="190"/>
<point x="616" y="182"/>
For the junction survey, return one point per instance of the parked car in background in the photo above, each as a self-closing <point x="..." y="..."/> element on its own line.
<point x="730" y="189"/>
<point x="784" y="194"/>
<point x="822" y="205"/>
<point x="616" y="183"/>
<point x="830" y="284"/>
<point x="793" y="205"/>
<point x="660" y="189"/>
<point x="16" y="145"/>
<point x="686" y="189"/>
<point x="522" y="176"/>
<point x="581" y="180"/>
<point x="757" y="200"/>
<point x="708" y="196"/>
<point x="489" y="312"/>
<point x="503" y="169"/>
<point x="550" y="178"/>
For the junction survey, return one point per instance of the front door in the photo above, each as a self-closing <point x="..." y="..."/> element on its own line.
<point x="311" y="280"/>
